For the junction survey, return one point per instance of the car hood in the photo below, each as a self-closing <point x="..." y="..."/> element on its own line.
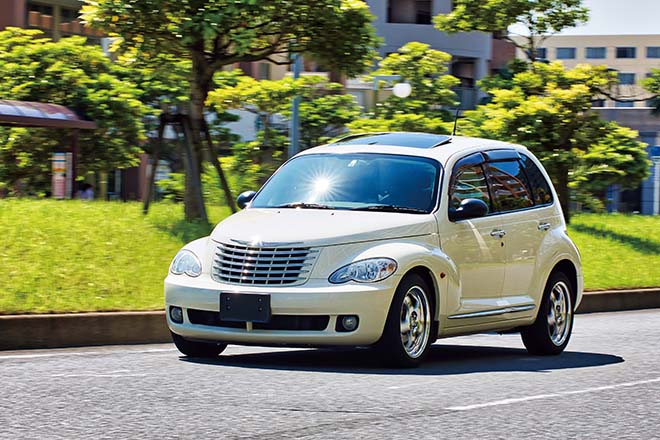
<point x="316" y="227"/>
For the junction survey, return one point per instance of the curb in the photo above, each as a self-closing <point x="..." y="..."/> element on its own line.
<point x="121" y="328"/>
<point x="619" y="300"/>
<point x="82" y="329"/>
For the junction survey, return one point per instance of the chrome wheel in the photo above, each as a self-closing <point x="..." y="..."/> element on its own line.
<point x="415" y="322"/>
<point x="560" y="313"/>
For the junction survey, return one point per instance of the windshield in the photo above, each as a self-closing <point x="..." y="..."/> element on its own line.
<point x="365" y="181"/>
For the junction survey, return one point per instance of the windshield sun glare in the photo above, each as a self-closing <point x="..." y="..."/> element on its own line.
<point x="363" y="181"/>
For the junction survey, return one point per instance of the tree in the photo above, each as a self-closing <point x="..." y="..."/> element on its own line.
<point x="401" y="122"/>
<point x="652" y="85"/>
<point x="425" y="69"/>
<point x="323" y="114"/>
<point x="213" y="34"/>
<point x="79" y="76"/>
<point x="548" y="109"/>
<point x="540" y="18"/>
<point x="263" y="98"/>
<point x="324" y="111"/>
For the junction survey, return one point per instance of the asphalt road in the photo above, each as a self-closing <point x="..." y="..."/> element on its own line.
<point x="606" y="385"/>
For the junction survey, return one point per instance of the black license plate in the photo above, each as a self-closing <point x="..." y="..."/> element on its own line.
<point x="244" y="307"/>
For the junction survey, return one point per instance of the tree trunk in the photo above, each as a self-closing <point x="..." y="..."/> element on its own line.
<point x="199" y="86"/>
<point x="563" y="192"/>
<point x="215" y="160"/>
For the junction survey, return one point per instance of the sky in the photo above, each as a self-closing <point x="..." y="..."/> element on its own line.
<point x="619" y="17"/>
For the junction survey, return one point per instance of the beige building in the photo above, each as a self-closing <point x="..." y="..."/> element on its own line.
<point x="631" y="56"/>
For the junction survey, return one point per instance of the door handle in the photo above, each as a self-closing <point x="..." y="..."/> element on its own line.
<point x="497" y="233"/>
<point x="544" y="226"/>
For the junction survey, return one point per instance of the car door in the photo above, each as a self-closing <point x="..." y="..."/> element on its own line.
<point x="475" y="246"/>
<point x="524" y="220"/>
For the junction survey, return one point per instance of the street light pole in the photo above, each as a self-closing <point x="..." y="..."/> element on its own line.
<point x="294" y="129"/>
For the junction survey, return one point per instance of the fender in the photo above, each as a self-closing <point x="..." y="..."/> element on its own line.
<point x="413" y="254"/>
<point x="561" y="248"/>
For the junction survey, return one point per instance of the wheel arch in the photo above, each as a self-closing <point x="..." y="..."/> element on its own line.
<point x="427" y="275"/>
<point x="567" y="267"/>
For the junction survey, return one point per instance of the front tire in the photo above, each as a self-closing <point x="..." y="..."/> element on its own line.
<point x="407" y="335"/>
<point x="197" y="349"/>
<point x="550" y="333"/>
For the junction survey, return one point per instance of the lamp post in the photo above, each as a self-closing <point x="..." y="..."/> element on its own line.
<point x="294" y="128"/>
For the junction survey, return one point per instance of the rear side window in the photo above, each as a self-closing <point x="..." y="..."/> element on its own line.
<point x="508" y="185"/>
<point x="539" y="185"/>
<point x="469" y="183"/>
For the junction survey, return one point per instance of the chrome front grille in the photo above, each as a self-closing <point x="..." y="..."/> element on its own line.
<point x="238" y="264"/>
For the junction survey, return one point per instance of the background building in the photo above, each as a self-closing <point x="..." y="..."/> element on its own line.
<point x="57" y="18"/>
<point x="624" y="37"/>
<point x="631" y="56"/>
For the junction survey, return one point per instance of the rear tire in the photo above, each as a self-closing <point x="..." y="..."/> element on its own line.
<point x="550" y="333"/>
<point x="408" y="330"/>
<point x="197" y="349"/>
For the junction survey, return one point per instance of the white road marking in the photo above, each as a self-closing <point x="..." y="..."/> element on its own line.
<point x="548" y="396"/>
<point x="100" y="375"/>
<point x="83" y="353"/>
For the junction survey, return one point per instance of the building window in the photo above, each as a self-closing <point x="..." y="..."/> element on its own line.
<point x="565" y="53"/>
<point x="626" y="52"/>
<point x="42" y="9"/>
<point x="69" y="15"/>
<point x="624" y="104"/>
<point x="626" y="79"/>
<point x="653" y="52"/>
<point x="598" y="103"/>
<point x="541" y="53"/>
<point x="596" y="53"/>
<point x="409" y="11"/>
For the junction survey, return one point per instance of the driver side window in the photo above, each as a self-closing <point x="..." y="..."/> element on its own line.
<point x="469" y="183"/>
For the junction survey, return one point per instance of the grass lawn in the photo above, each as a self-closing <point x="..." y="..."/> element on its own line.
<point x="618" y="251"/>
<point x="71" y="256"/>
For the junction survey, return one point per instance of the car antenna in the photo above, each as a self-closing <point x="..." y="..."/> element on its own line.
<point x="453" y="132"/>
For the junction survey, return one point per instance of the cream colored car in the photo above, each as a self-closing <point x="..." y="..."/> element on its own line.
<point x="389" y="240"/>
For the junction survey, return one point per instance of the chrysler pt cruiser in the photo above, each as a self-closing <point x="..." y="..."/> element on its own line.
<point x="390" y="240"/>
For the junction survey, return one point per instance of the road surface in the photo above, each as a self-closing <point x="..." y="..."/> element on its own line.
<point x="606" y="385"/>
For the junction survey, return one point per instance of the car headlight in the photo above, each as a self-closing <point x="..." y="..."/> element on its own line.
<point x="187" y="263"/>
<point x="365" y="271"/>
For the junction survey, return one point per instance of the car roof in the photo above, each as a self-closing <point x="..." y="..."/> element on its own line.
<point x="439" y="147"/>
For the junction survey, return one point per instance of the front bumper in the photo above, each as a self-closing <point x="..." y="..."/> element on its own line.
<point x="370" y="302"/>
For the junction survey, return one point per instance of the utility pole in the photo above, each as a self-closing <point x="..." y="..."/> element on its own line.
<point x="294" y="129"/>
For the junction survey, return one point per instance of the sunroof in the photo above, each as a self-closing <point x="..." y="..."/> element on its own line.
<point x="414" y="140"/>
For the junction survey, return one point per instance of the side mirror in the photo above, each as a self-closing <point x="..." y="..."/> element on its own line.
<point x="470" y="208"/>
<point x="244" y="198"/>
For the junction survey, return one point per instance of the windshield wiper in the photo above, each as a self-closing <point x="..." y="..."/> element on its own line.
<point x="303" y="205"/>
<point x="391" y="208"/>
